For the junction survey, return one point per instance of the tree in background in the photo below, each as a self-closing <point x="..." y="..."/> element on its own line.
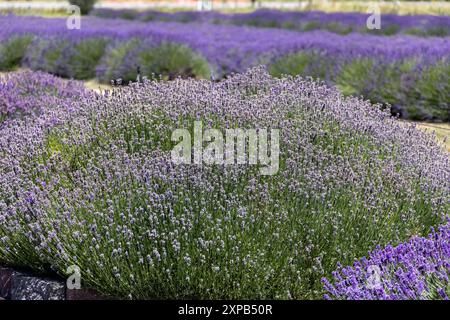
<point x="85" y="5"/>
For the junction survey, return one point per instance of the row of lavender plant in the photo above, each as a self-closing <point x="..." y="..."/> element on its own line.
<point x="408" y="72"/>
<point x="92" y="184"/>
<point x="342" y="23"/>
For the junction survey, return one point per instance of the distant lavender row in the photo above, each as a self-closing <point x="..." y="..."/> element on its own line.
<point x="342" y="23"/>
<point x="232" y="48"/>
<point x="417" y="269"/>
<point x="111" y="49"/>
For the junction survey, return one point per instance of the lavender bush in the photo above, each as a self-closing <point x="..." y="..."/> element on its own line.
<point x="411" y="88"/>
<point x="417" y="269"/>
<point x="150" y="59"/>
<point x="92" y="184"/>
<point x="28" y="93"/>
<point x="12" y="51"/>
<point x="70" y="58"/>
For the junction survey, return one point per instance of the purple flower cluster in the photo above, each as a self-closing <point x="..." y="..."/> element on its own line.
<point x="26" y="93"/>
<point x="417" y="269"/>
<point x="68" y="57"/>
<point x="93" y="184"/>
<point x="342" y="23"/>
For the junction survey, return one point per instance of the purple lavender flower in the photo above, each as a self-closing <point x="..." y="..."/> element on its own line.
<point x="417" y="269"/>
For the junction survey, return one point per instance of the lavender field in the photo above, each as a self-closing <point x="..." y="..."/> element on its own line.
<point x="357" y="205"/>
<point x="341" y="23"/>
<point x="409" y="73"/>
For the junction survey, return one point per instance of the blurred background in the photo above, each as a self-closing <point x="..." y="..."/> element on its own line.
<point x="403" y="65"/>
<point x="387" y="6"/>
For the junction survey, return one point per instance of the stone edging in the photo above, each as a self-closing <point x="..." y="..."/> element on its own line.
<point x="22" y="286"/>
